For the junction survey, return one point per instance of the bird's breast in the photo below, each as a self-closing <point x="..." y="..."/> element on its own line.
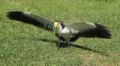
<point x="65" y="30"/>
<point x="64" y="33"/>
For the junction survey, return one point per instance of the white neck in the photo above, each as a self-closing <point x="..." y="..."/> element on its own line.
<point x="59" y="28"/>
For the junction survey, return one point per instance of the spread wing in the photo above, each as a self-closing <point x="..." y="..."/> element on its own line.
<point x="31" y="19"/>
<point x="88" y="29"/>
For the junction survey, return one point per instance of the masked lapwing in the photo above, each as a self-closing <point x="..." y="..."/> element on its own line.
<point x="65" y="33"/>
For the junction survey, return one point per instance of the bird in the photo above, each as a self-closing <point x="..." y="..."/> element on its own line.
<point x="65" y="33"/>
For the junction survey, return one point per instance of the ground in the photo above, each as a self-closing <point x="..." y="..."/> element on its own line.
<point x="26" y="45"/>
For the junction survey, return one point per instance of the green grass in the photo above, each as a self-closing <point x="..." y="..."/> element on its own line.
<point x="24" y="45"/>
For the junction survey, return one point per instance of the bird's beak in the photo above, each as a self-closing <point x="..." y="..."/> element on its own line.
<point x="55" y="24"/>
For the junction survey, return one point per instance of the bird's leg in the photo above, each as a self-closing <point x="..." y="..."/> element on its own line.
<point x="68" y="40"/>
<point x="58" y="44"/>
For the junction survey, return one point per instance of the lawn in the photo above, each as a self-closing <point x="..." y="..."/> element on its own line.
<point x="26" y="45"/>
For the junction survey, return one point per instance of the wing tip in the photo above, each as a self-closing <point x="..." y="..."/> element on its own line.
<point x="99" y="31"/>
<point x="16" y="14"/>
<point x="103" y="31"/>
<point x="13" y="14"/>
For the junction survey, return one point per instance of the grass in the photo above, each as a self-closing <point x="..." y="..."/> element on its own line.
<point x="26" y="45"/>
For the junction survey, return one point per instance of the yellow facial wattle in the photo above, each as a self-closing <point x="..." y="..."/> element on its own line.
<point x="55" y="24"/>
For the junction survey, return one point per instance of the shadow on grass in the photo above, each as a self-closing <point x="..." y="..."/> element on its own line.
<point x="72" y="45"/>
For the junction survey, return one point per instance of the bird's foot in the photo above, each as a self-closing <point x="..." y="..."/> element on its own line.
<point x="63" y="44"/>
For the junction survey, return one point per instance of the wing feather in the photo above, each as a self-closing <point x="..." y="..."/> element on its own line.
<point x="81" y="27"/>
<point x="29" y="18"/>
<point x="88" y="29"/>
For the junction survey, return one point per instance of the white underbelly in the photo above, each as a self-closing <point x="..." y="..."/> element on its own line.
<point x="65" y="30"/>
<point x="65" y="33"/>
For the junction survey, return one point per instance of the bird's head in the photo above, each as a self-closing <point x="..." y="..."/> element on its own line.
<point x="58" y="23"/>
